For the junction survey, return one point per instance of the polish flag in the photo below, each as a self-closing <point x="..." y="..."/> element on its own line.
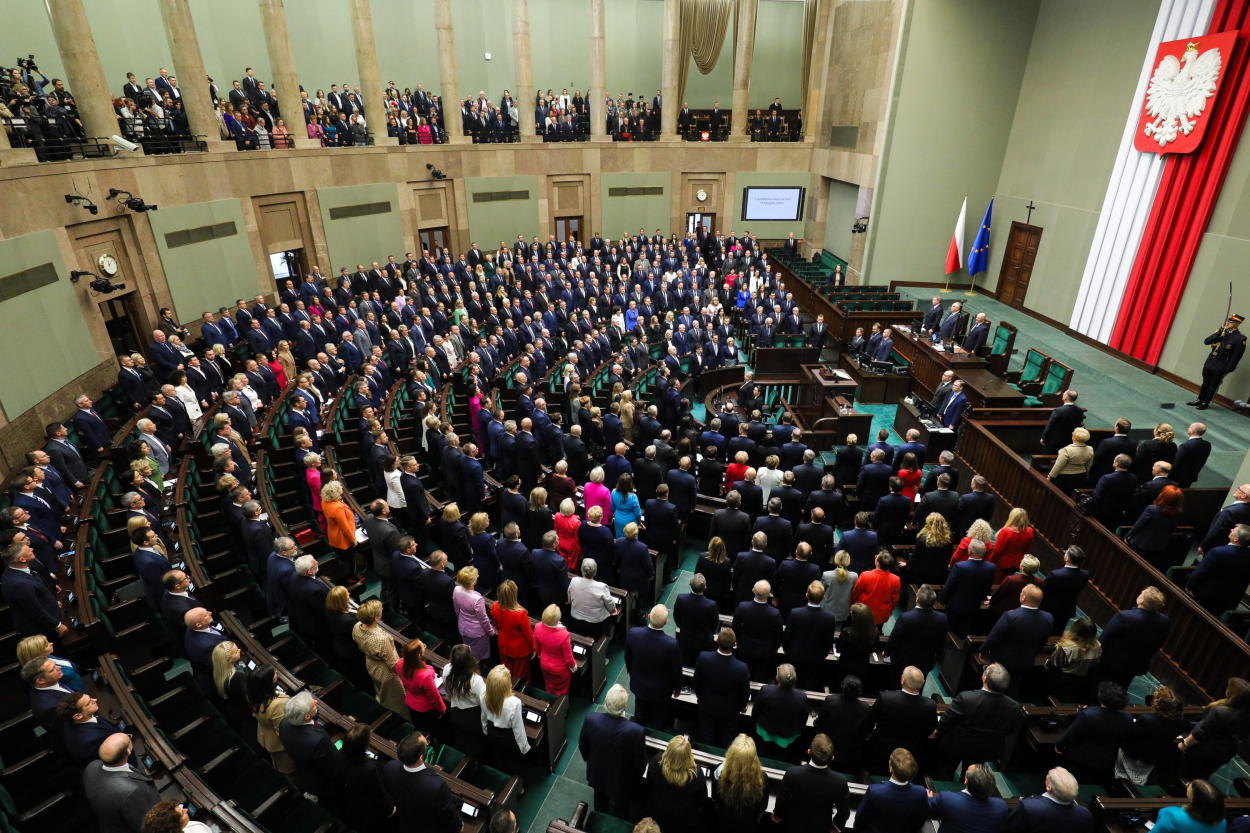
<point x="953" y="262"/>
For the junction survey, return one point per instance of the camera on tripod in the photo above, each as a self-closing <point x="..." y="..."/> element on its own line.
<point x="28" y="63"/>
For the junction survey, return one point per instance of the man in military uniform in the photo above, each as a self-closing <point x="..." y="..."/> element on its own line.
<point x="1228" y="345"/>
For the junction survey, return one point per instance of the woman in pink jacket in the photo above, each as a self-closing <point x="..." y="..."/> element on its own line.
<point x="594" y="493"/>
<point x="472" y="619"/>
<point x="555" y="652"/>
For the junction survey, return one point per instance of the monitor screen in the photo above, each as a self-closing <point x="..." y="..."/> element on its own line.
<point x="772" y="203"/>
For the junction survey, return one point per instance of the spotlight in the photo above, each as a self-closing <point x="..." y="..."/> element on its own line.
<point x="131" y="201"/>
<point x="83" y="202"/>
<point x="99" y="285"/>
<point x="435" y="172"/>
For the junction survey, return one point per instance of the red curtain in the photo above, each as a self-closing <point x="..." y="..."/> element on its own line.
<point x="1187" y="194"/>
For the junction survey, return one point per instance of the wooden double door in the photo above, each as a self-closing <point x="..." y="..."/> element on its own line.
<point x="1017" y="267"/>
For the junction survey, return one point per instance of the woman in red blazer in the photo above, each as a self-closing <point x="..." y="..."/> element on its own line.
<point x="1014" y="541"/>
<point x="878" y="589"/>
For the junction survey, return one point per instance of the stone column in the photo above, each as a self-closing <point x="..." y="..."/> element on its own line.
<point x="447" y="68"/>
<point x="672" y="65"/>
<point x="598" y="74"/>
<point x="84" y="74"/>
<point x="282" y="64"/>
<point x="743" y="50"/>
<point x="185" y="48"/>
<point x="524" y="69"/>
<point x="817" y="92"/>
<point x="367" y="68"/>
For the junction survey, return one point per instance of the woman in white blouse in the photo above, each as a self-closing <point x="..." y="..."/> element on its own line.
<point x="394" y="489"/>
<point x="502" y="721"/>
<point x="464" y="688"/>
<point x="187" y="396"/>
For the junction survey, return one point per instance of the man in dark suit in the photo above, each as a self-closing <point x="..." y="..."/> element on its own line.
<point x="318" y="764"/>
<point x="1019" y="636"/>
<point x="436" y="586"/>
<point x="65" y="456"/>
<point x="973" y="808"/>
<point x="874" y="480"/>
<point x="1222" y="574"/>
<point x="966" y="586"/>
<point x="417" y="512"/>
<point x="942" y="500"/>
<point x="683" y="488"/>
<point x="1237" y="512"/>
<point x="722" y="684"/>
<point x="423" y="801"/>
<point x="93" y="432"/>
<point x="1063" y="587"/>
<point x="978" y="333"/>
<point x="1056" y="810"/>
<point x="83" y="728"/>
<point x="919" y="635"/>
<point x="807" y="474"/>
<point x="951" y="325"/>
<point x="861" y="543"/>
<point x="777" y="530"/>
<point x="199" y="640"/>
<point x="383" y="541"/>
<point x="955" y="406"/>
<point x="307" y="596"/>
<point x="653" y="661"/>
<point x="759" y="628"/>
<point x="29" y="592"/>
<point x="1132" y="638"/>
<point x="732" y="525"/>
<point x="896" y="804"/>
<point x="819" y="536"/>
<point x="914" y="446"/>
<point x="697" y="618"/>
<point x="279" y="572"/>
<point x="614" y="748"/>
<point x="818" y="333"/>
<point x="1191" y="456"/>
<point x="812" y="793"/>
<point x="942" y="391"/>
<point x="1108" y="449"/>
<point x="1063" y="420"/>
<point x="119" y="795"/>
<point x="258" y="537"/>
<point x="1092" y="741"/>
<point x="932" y="316"/>
<point x="528" y="459"/>
<point x="977" y="504"/>
<point x="1112" y="498"/>
<point x="1147" y="492"/>
<point x="808" y="637"/>
<point x="945" y="466"/>
<point x="977" y="724"/>
<point x="751" y="566"/>
<point x="406" y="570"/>
<point x="175" y="602"/>
<point x="48" y="687"/>
<point x="902" y="719"/>
<point x="549" y="572"/>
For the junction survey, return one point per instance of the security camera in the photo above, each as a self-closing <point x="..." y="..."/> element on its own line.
<point x="83" y="202"/>
<point x="124" y="144"/>
<point x="131" y="201"/>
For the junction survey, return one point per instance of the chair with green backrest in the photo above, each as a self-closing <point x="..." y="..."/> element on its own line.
<point x="1050" y="393"/>
<point x="1001" y="347"/>
<point x="1035" y="365"/>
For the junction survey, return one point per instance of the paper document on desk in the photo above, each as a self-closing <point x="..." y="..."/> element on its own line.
<point x="842" y="375"/>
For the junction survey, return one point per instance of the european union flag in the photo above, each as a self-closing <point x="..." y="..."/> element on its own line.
<point x="979" y="256"/>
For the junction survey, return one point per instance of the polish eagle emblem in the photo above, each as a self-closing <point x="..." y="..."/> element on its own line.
<point x="1178" y="93"/>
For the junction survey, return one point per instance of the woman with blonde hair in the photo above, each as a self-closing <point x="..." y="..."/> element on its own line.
<point x="134" y="523"/>
<point x="485" y="552"/>
<point x="737" y="470"/>
<point x="1075" y="656"/>
<point x="933" y="550"/>
<point x="567" y="524"/>
<point x="340" y="527"/>
<point x="502" y="721"/>
<point x="738" y="788"/>
<point x="421" y="695"/>
<point x="453" y="535"/>
<point x="676" y="792"/>
<point x="538" y="519"/>
<point x="283" y="364"/>
<point x="769" y="477"/>
<point x="341" y="623"/>
<point x="229" y="683"/>
<point x="1014" y="541"/>
<point x="37" y="647"/>
<point x="474" y="624"/>
<point x="380" y="657"/>
<point x="979" y="531"/>
<point x="1007" y="596"/>
<point x="839" y="583"/>
<point x="1160" y="447"/>
<point x="555" y="652"/>
<point x="594" y="493"/>
<point x="715" y="568"/>
<point x="516" y="634"/>
<point x="1071" y="468"/>
<point x="628" y="407"/>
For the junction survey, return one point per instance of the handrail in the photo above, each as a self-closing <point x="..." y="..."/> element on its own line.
<point x="1199" y="649"/>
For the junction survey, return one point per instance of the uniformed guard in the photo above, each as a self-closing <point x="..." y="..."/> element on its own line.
<point x="1227" y="345"/>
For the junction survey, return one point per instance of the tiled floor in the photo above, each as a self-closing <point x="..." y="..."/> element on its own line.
<point x="1110" y="388"/>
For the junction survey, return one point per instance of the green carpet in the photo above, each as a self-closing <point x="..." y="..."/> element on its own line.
<point x="1111" y="388"/>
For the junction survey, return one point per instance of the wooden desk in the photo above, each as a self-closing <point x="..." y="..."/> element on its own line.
<point x="935" y="441"/>
<point x="874" y="388"/>
<point x="780" y="361"/>
<point x="985" y="390"/>
<point x="928" y="364"/>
